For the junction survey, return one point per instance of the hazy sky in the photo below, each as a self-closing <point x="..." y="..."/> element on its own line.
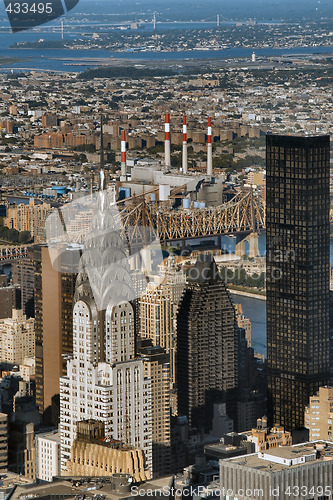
<point x="200" y="9"/>
<point x="230" y="8"/>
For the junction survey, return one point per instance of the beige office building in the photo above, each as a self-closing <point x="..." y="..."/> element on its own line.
<point x="318" y="415"/>
<point x="156" y="322"/>
<point x="53" y="324"/>
<point x="96" y="456"/>
<point x="157" y="369"/>
<point x="17" y="338"/>
<point x="158" y="312"/>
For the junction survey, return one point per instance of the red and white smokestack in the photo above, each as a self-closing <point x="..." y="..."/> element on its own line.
<point x="123" y="153"/>
<point x="209" y="149"/>
<point x="184" y="145"/>
<point x="167" y="141"/>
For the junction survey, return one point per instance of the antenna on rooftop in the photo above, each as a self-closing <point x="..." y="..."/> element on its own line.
<point x="102" y="162"/>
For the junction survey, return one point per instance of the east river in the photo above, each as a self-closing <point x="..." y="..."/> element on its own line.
<point x="255" y="309"/>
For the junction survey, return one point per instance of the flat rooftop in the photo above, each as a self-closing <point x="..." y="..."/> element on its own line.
<point x="285" y="457"/>
<point x="50" y="436"/>
<point x="67" y="488"/>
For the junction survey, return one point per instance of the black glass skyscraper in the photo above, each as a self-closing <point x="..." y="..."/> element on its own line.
<point x="207" y="344"/>
<point x="298" y="273"/>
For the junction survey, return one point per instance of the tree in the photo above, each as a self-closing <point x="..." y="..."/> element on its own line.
<point x="87" y="148"/>
<point x="81" y="158"/>
<point x="24" y="237"/>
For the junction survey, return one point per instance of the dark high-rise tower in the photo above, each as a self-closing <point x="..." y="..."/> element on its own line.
<point x="23" y="275"/>
<point x="298" y="273"/>
<point x="207" y="344"/>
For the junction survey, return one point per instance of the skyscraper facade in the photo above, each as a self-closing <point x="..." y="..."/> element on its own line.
<point x="156" y="322"/>
<point x="53" y="324"/>
<point x="207" y="344"/>
<point x="157" y="316"/>
<point x="157" y="368"/>
<point x="298" y="273"/>
<point x="319" y="413"/>
<point x="23" y="275"/>
<point x="105" y="380"/>
<point x="29" y="218"/>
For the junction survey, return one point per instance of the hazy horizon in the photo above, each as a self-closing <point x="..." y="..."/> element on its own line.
<point x="228" y="9"/>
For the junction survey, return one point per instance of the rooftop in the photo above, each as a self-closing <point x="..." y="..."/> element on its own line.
<point x="50" y="436"/>
<point x="284" y="457"/>
<point x="88" y="488"/>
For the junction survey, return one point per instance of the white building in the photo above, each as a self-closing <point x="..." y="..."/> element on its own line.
<point x="300" y="471"/>
<point x="105" y="381"/>
<point x="28" y="368"/>
<point x="47" y="456"/>
<point x="113" y="391"/>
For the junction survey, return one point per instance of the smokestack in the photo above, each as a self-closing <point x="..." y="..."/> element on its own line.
<point x="209" y="149"/>
<point x="123" y="154"/>
<point x="184" y="145"/>
<point x="167" y="141"/>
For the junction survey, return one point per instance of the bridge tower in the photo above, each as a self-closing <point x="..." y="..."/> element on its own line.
<point x="253" y="240"/>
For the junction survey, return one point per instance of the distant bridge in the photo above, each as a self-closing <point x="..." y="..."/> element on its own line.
<point x="12" y="253"/>
<point x="245" y="213"/>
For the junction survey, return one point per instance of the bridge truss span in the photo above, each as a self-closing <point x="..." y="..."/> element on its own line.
<point x="12" y="253"/>
<point x="244" y="213"/>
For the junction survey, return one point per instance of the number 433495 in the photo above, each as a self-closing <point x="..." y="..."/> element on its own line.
<point x="25" y="8"/>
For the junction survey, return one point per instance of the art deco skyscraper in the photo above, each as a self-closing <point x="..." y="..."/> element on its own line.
<point x="105" y="380"/>
<point x="207" y="344"/>
<point x="298" y="273"/>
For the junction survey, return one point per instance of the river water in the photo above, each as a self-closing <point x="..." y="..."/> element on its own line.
<point x="68" y="60"/>
<point x="255" y="309"/>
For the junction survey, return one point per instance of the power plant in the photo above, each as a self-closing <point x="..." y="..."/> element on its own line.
<point x="138" y="174"/>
